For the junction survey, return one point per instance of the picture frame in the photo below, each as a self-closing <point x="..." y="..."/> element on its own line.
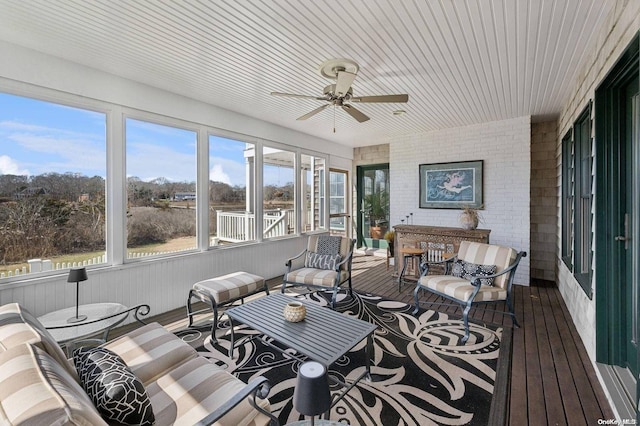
<point x="452" y="185"/>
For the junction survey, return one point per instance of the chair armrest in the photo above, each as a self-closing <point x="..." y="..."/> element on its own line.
<point x="290" y="261"/>
<point x="346" y="259"/>
<point x="424" y="266"/>
<point x="258" y="387"/>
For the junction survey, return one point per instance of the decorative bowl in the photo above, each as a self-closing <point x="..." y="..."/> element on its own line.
<point x="294" y="311"/>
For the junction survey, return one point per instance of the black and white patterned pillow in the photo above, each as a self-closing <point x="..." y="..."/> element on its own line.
<point x="471" y="270"/>
<point x="321" y="261"/>
<point x="328" y="244"/>
<point x="116" y="392"/>
<point x="457" y="268"/>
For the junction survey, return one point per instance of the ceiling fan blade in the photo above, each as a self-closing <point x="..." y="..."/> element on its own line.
<point x="312" y="113"/>
<point x="355" y="113"/>
<point x="293" y="95"/>
<point x="381" y="98"/>
<point x="343" y="83"/>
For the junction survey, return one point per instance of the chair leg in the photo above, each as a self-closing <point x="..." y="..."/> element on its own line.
<point x="417" y="300"/>
<point x="214" y="324"/>
<point x="465" y="317"/>
<point x="190" y="308"/>
<point x="512" y="313"/>
<point x="333" y="298"/>
<point x="350" y="287"/>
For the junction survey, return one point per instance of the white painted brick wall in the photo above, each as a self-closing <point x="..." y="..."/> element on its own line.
<point x="505" y="148"/>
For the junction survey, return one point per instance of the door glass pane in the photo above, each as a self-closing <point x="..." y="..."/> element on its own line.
<point x="161" y="189"/>
<point x="375" y="203"/>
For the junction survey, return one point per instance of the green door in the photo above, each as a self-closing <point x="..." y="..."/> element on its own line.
<point x="617" y="230"/>
<point x="623" y="236"/>
<point x="373" y="205"/>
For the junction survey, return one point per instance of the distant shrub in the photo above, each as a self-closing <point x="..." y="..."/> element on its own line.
<point x="148" y="225"/>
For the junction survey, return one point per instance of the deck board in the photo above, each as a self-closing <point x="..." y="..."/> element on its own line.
<point x="552" y="378"/>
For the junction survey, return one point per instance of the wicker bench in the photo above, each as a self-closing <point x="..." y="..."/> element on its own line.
<point x="221" y="291"/>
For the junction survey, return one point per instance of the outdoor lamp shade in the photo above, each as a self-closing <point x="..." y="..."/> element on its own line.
<point x="75" y="276"/>
<point x="311" y="395"/>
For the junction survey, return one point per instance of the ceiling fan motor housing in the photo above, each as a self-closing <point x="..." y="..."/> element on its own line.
<point x="330" y="92"/>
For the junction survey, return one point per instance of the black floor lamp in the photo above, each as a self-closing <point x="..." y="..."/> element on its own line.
<point x="75" y="276"/>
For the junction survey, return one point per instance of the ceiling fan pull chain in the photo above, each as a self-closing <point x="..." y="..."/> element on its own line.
<point x="334" y="118"/>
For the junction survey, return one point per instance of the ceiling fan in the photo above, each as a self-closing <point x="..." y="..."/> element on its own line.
<point x="340" y="94"/>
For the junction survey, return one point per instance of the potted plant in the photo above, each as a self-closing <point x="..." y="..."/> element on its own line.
<point x="390" y="236"/>
<point x="377" y="204"/>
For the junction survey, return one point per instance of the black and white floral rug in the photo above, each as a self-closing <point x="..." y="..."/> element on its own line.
<point x="421" y="375"/>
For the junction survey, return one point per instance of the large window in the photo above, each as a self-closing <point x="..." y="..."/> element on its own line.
<point x="577" y="184"/>
<point x="278" y="192"/>
<point x="161" y="189"/>
<point x="52" y="186"/>
<point x="231" y="191"/>
<point x="55" y="191"/>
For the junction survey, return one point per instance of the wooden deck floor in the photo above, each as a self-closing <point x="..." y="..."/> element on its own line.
<point x="552" y="379"/>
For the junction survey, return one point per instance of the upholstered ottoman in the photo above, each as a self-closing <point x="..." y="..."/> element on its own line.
<point x="220" y="291"/>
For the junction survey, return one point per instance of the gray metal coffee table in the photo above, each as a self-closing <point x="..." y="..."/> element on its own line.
<point x="323" y="336"/>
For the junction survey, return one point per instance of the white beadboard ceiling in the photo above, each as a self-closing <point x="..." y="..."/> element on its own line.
<point x="461" y="61"/>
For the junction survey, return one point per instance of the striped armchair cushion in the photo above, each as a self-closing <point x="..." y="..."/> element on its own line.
<point x="462" y="289"/>
<point x="18" y="326"/>
<point x="195" y="389"/>
<point x="312" y="276"/>
<point x="489" y="254"/>
<point x="151" y="351"/>
<point x="36" y="390"/>
<point x="230" y="286"/>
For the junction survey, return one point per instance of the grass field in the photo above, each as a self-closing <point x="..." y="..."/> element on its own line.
<point x="177" y="244"/>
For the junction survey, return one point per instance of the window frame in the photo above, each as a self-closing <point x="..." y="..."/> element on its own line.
<point x="567" y="199"/>
<point x="61" y="99"/>
<point x="116" y="172"/>
<point x="579" y="185"/>
<point x="151" y="118"/>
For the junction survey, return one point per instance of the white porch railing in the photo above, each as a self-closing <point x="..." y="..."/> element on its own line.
<point x="44" y="265"/>
<point x="240" y="226"/>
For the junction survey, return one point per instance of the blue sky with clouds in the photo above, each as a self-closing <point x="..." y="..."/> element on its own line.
<point x="39" y="137"/>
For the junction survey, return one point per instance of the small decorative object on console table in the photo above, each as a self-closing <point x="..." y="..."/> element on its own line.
<point x="75" y="276"/>
<point x="311" y="396"/>
<point x="470" y="218"/>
